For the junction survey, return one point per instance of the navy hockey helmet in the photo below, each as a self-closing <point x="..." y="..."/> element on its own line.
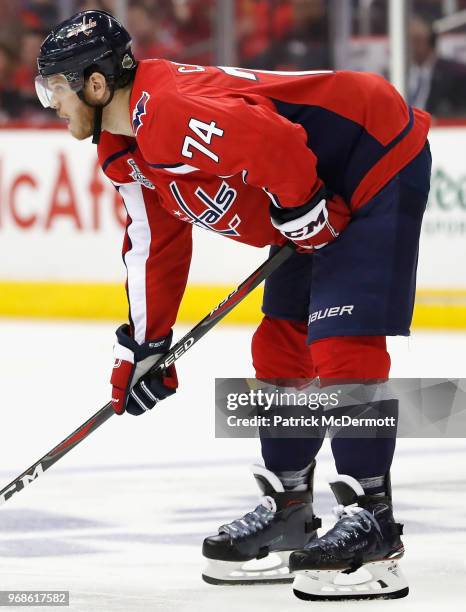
<point x="88" y="41"/>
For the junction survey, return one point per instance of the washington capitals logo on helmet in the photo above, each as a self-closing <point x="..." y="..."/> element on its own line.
<point x="139" y="111"/>
<point x="84" y="27"/>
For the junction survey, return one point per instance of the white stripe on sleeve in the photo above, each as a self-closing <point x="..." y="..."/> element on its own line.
<point x="136" y="258"/>
<point x="272" y="196"/>
<point x="184" y="169"/>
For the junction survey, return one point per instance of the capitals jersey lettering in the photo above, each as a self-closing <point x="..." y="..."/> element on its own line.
<point x="214" y="146"/>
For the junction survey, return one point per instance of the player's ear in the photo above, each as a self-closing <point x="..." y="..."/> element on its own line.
<point x="96" y="87"/>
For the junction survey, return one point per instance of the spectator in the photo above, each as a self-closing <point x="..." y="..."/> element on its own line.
<point x="260" y="23"/>
<point x="100" y="5"/>
<point x="430" y="10"/>
<point x="24" y="75"/>
<point x="378" y="13"/>
<point x="193" y="30"/>
<point x="305" y="46"/>
<point x="152" y="35"/>
<point x="8" y="96"/>
<point x="40" y="14"/>
<point x="434" y="84"/>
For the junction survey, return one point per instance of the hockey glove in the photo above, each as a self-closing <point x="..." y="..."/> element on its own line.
<point x="132" y="361"/>
<point x="314" y="224"/>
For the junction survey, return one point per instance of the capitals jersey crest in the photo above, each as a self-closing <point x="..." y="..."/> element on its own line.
<point x="138" y="176"/>
<point x="211" y="212"/>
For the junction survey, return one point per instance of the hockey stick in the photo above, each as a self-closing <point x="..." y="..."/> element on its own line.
<point x="177" y="350"/>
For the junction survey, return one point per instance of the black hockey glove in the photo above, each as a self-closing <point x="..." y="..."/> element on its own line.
<point x="132" y="362"/>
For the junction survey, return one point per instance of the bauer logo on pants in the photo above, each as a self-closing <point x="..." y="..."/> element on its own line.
<point x="334" y="311"/>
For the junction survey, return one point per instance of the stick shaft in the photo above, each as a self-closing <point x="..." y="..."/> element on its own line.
<point x="225" y="306"/>
<point x="56" y="453"/>
<point x="176" y="351"/>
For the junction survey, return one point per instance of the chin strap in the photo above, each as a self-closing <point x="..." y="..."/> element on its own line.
<point x="97" y="124"/>
<point x="98" y="110"/>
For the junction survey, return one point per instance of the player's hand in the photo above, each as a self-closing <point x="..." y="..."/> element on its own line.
<point x="314" y="224"/>
<point x="133" y="361"/>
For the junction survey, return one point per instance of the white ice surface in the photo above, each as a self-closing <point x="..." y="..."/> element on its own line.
<point x="120" y="520"/>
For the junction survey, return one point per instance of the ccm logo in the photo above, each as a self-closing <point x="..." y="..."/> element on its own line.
<point x="25" y="480"/>
<point x="178" y="352"/>
<point x="334" y="311"/>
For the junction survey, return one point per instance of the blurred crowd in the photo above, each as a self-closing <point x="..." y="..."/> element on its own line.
<point x="270" y="34"/>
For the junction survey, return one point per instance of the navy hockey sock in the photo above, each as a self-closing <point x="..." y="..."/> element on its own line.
<point x="366" y="459"/>
<point x="289" y="454"/>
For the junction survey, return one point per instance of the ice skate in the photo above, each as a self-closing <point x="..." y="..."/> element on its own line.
<point x="243" y="550"/>
<point x="358" y="557"/>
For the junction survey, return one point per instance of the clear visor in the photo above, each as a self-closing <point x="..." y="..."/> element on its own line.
<point x="53" y="89"/>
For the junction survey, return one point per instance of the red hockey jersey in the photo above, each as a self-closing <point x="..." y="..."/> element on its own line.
<point x="214" y="145"/>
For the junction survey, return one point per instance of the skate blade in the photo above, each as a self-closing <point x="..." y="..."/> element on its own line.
<point x="263" y="571"/>
<point x="378" y="580"/>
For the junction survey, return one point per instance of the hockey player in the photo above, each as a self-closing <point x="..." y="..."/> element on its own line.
<point x="334" y="161"/>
